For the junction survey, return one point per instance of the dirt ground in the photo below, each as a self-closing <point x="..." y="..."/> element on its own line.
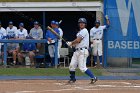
<point x="59" y="86"/>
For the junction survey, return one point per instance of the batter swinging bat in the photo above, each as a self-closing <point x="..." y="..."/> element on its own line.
<point x="49" y="28"/>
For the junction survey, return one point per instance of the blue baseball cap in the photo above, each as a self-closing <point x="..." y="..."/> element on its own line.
<point x="57" y="23"/>
<point x="21" y="24"/>
<point x="97" y="22"/>
<point x="10" y="23"/>
<point x="36" y="23"/>
<point x="53" y="22"/>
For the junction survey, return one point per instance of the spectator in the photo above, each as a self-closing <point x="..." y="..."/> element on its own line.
<point x="21" y="32"/>
<point x="30" y="48"/>
<point x="51" y="41"/>
<point x="37" y="34"/>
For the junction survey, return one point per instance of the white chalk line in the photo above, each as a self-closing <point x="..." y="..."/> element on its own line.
<point x="58" y="90"/>
<point x="79" y="86"/>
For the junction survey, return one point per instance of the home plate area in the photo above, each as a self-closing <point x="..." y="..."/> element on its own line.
<point x="61" y="86"/>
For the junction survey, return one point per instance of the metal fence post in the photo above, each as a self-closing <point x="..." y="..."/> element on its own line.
<point x="5" y="54"/>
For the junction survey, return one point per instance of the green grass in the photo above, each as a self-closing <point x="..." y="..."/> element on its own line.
<point x="42" y="72"/>
<point x="45" y="0"/>
<point x="136" y="61"/>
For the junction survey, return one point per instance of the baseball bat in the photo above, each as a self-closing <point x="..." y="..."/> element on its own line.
<point x="49" y="28"/>
<point x="60" y="21"/>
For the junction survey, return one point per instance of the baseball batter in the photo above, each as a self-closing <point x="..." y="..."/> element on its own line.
<point x="96" y="34"/>
<point x="81" y="44"/>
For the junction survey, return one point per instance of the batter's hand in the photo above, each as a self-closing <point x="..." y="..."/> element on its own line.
<point x="69" y="44"/>
<point x="49" y="39"/>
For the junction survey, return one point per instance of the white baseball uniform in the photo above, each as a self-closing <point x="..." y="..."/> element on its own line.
<point x="11" y="32"/>
<point x="60" y="40"/>
<point x="2" y="34"/>
<point x="96" y="35"/>
<point x="22" y="33"/>
<point x="80" y="55"/>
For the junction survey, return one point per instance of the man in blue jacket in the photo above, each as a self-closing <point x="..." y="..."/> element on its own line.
<point x="52" y="39"/>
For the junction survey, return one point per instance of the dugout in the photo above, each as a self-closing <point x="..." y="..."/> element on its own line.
<point x="44" y="12"/>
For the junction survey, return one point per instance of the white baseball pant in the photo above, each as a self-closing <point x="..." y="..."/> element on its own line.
<point x="79" y="59"/>
<point x="59" y="46"/>
<point x="51" y="49"/>
<point x="97" y="47"/>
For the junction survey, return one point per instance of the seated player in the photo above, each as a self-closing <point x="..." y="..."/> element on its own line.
<point x="11" y="31"/>
<point x="21" y="32"/>
<point x="28" y="48"/>
<point x="3" y="35"/>
<point x="13" y="50"/>
<point x="37" y="34"/>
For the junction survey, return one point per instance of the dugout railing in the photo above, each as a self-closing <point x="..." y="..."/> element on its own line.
<point x="26" y="41"/>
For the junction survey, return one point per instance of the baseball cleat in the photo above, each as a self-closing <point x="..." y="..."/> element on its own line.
<point x="71" y="81"/>
<point x="93" y="80"/>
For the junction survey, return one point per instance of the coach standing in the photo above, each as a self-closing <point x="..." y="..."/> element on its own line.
<point x="96" y="35"/>
<point x="36" y="33"/>
<point x="59" y="41"/>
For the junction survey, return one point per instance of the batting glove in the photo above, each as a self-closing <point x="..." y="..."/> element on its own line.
<point x="69" y="44"/>
<point x="106" y="17"/>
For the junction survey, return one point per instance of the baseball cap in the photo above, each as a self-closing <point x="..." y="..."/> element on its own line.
<point x="57" y="23"/>
<point x="10" y="23"/>
<point x="97" y="22"/>
<point x="53" y="22"/>
<point x="21" y="24"/>
<point x="36" y="23"/>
